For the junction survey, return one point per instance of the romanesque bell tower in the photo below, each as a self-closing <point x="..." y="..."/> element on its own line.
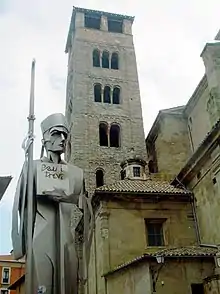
<point x="103" y="103"/>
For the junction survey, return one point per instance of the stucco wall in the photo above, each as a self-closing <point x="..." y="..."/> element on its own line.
<point x="178" y="275"/>
<point x="134" y="280"/>
<point x="127" y="228"/>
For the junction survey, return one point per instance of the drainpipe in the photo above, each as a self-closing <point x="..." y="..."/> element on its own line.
<point x="198" y="236"/>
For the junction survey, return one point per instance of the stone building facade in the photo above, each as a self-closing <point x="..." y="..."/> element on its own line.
<point x="198" y="168"/>
<point x="103" y="103"/>
<point x="147" y="232"/>
<point x="10" y="271"/>
<point x="145" y="240"/>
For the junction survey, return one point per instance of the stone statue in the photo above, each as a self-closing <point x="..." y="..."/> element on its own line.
<point x="59" y="203"/>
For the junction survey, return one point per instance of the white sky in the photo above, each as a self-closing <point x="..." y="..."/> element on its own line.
<point x="169" y="37"/>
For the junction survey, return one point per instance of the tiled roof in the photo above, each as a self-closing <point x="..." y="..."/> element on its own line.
<point x="177" y="252"/>
<point x="142" y="186"/>
<point x="187" y="251"/>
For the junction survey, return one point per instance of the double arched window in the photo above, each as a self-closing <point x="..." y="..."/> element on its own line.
<point x="105" y="59"/>
<point x="114" y="60"/>
<point x="103" y="134"/>
<point x="98" y="93"/>
<point x="107" y="94"/>
<point x="109" y="135"/>
<point x="96" y="58"/>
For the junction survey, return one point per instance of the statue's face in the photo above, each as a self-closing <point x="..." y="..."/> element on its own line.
<point x="56" y="140"/>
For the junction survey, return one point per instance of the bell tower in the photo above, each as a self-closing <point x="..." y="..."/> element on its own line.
<point x="103" y="104"/>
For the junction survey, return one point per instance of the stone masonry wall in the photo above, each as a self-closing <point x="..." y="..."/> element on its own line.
<point x="172" y="144"/>
<point x="85" y="114"/>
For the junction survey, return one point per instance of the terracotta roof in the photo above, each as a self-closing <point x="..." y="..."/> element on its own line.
<point x="177" y="252"/>
<point x="17" y="283"/>
<point x="187" y="251"/>
<point x="142" y="186"/>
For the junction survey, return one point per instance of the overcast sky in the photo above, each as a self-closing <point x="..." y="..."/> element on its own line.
<point x="169" y="37"/>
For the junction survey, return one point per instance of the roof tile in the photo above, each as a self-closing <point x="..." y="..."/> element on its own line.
<point x="176" y="252"/>
<point x="142" y="186"/>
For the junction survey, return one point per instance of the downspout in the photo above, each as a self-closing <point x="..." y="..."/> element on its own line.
<point x="198" y="236"/>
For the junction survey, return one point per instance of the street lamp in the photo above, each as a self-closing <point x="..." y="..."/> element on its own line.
<point x="160" y="259"/>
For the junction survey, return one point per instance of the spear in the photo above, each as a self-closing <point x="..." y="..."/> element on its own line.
<point x="31" y="118"/>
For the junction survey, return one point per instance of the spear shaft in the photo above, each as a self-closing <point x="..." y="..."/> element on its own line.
<point x="31" y="118"/>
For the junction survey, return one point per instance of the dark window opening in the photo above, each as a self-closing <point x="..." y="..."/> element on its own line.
<point x="152" y="155"/>
<point x="116" y="95"/>
<point x="114" y="61"/>
<point x="152" y="167"/>
<point x="199" y="175"/>
<point x="197" y="288"/>
<point x="98" y="93"/>
<point x="107" y="94"/>
<point x="214" y="181"/>
<point x="5" y="276"/>
<point x="103" y="136"/>
<point x="3" y="291"/>
<point x="154" y="233"/>
<point x="99" y="178"/>
<point x="96" y="58"/>
<point x="115" y="25"/>
<point x="123" y="174"/>
<point x="136" y="171"/>
<point x="92" y="21"/>
<point x="114" y="136"/>
<point x="105" y="59"/>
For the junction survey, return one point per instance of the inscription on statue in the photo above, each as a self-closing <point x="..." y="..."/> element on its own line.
<point x="51" y="176"/>
<point x="53" y="172"/>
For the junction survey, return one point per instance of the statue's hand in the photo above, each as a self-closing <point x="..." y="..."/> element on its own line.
<point x="56" y="195"/>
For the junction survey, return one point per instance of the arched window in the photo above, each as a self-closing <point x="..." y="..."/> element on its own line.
<point x="107" y="94"/>
<point x="116" y="95"/>
<point x="123" y="174"/>
<point x="98" y="93"/>
<point x="99" y="178"/>
<point x="103" y="134"/>
<point x="105" y="59"/>
<point x="114" y="136"/>
<point x="96" y="58"/>
<point x="114" y="61"/>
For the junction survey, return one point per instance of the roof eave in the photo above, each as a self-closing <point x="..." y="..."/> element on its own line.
<point x="209" y="143"/>
<point x="150" y="257"/>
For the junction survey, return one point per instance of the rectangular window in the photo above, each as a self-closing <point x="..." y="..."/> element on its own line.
<point x="197" y="288"/>
<point x="154" y="230"/>
<point x="4" y="291"/>
<point x="92" y="21"/>
<point x="136" y="171"/>
<point x="115" y="25"/>
<point x="5" y="275"/>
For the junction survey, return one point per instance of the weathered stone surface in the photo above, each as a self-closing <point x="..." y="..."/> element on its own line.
<point x="86" y="114"/>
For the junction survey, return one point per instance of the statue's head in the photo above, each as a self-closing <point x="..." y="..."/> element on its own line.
<point x="55" y="131"/>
